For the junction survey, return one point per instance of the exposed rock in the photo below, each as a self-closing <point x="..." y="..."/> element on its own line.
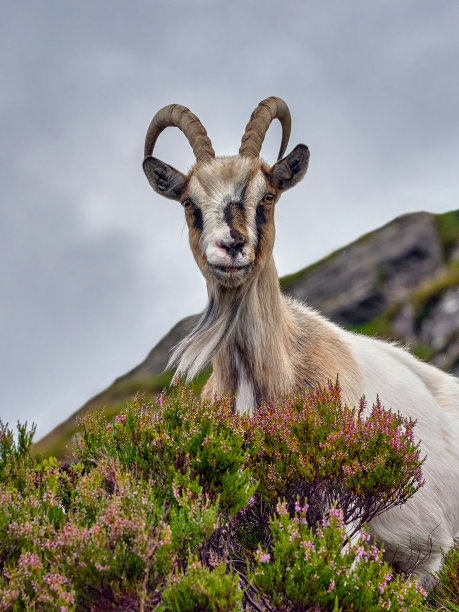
<point x="442" y="323"/>
<point x="357" y="283"/>
<point x="403" y="323"/>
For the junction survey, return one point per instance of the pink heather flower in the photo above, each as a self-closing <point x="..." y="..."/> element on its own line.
<point x="282" y="509"/>
<point x="29" y="561"/>
<point x="175" y="491"/>
<point x="195" y="564"/>
<point x="262" y="557"/>
<point x="331" y="587"/>
<point x="101" y="568"/>
<point x="55" y="582"/>
<point x="166" y="535"/>
<point x="337" y="513"/>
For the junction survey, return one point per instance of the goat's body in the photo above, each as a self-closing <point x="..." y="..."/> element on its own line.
<point x="278" y="346"/>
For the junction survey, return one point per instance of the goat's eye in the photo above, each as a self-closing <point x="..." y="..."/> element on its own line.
<point x="268" y="199"/>
<point x="187" y="203"/>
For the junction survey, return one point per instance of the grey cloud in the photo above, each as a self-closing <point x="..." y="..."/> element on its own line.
<point x="95" y="267"/>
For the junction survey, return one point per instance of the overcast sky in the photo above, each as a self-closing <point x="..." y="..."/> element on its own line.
<point x="95" y="267"/>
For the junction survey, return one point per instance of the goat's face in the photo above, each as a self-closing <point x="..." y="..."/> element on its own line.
<point x="229" y="207"/>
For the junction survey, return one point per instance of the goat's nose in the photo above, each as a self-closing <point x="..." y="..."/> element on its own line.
<point x="235" y="244"/>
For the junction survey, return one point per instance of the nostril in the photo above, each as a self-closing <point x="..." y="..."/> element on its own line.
<point x="235" y="245"/>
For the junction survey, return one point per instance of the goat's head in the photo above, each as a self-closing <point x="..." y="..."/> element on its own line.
<point x="228" y="201"/>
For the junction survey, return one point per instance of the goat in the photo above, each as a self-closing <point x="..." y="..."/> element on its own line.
<point x="265" y="345"/>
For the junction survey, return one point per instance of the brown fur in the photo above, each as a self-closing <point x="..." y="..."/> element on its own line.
<point x="285" y="347"/>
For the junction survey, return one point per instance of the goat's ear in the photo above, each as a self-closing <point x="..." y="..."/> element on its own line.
<point x="291" y="169"/>
<point x="165" y="180"/>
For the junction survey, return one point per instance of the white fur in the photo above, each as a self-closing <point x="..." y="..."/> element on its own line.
<point x="415" y="533"/>
<point x="245" y="395"/>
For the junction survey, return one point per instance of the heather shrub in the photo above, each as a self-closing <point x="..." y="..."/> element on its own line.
<point x="365" y="461"/>
<point x="14" y="453"/>
<point x="98" y="535"/>
<point x="179" y="443"/>
<point x="446" y="594"/>
<point x="99" y="549"/>
<point x="190" y="592"/>
<point x="171" y="505"/>
<point x="307" y="569"/>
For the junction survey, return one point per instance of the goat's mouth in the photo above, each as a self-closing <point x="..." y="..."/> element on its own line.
<point x="230" y="275"/>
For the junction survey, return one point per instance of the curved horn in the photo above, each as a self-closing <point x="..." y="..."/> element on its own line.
<point x="260" y="120"/>
<point x="175" y="115"/>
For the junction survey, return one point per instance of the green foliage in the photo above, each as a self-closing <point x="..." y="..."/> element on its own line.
<point x="170" y="505"/>
<point x="15" y="455"/>
<point x="149" y="490"/>
<point x="447" y="591"/>
<point x="307" y="569"/>
<point x="379" y="326"/>
<point x="178" y="444"/>
<point x="448" y="230"/>
<point x="428" y="295"/>
<point x="59" y="442"/>
<point x="203" y="590"/>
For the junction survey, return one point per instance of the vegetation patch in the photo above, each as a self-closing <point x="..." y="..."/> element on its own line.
<point x="179" y="504"/>
<point x="447" y="592"/>
<point x="427" y="296"/>
<point x="380" y="327"/>
<point x="448" y="231"/>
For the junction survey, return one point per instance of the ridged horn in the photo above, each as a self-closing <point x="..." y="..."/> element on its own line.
<point x="175" y="115"/>
<point x="260" y="120"/>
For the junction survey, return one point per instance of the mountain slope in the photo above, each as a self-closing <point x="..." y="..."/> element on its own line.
<point x="400" y="282"/>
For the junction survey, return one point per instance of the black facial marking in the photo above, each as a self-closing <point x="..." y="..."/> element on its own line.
<point x="232" y="210"/>
<point x="240" y="206"/>
<point x="228" y="214"/>
<point x="238" y="238"/>
<point x="197" y="219"/>
<point x="260" y="218"/>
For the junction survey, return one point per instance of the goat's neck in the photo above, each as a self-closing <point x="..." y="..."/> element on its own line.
<point x="254" y="359"/>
